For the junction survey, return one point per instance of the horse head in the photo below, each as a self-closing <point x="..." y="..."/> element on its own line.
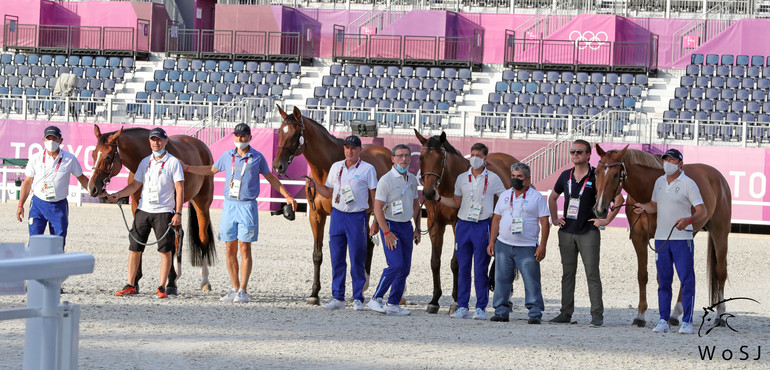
<point x="107" y="163"/>
<point x="433" y="157"/>
<point x="610" y="175"/>
<point x="291" y="140"/>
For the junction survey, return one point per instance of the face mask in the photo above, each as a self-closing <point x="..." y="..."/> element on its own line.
<point x="476" y="162"/>
<point x="159" y="153"/>
<point x="241" y="146"/>
<point x="401" y="170"/>
<point x="670" y="168"/>
<point x="517" y="183"/>
<point x="51" y="145"/>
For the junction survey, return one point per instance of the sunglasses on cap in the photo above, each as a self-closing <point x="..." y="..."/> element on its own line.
<point x="576" y="151"/>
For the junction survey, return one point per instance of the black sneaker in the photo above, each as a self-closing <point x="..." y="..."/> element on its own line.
<point x="596" y="321"/>
<point x="499" y="318"/>
<point x="534" y="321"/>
<point x="562" y="318"/>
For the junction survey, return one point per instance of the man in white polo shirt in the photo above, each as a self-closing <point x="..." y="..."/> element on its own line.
<point x="161" y="178"/>
<point x="48" y="176"/>
<point x="520" y="213"/>
<point x="673" y="197"/>
<point x="476" y="191"/>
<point x="395" y="205"/>
<point x="350" y="184"/>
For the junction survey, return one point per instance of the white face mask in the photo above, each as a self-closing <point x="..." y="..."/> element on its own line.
<point x="51" y="145"/>
<point x="477" y="162"/>
<point x="670" y="168"/>
<point x="241" y="146"/>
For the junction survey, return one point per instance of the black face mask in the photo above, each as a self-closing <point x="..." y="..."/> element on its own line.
<point x="517" y="183"/>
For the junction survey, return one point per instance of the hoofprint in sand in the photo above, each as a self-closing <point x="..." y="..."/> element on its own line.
<point x="278" y="329"/>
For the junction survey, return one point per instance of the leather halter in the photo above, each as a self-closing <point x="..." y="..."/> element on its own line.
<point x="623" y="174"/>
<point x="443" y="167"/>
<point x="112" y="164"/>
<point x="293" y="152"/>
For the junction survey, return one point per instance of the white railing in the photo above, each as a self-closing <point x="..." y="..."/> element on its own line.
<point x="52" y="330"/>
<point x="699" y="31"/>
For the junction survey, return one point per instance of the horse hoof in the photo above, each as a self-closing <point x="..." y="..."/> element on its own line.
<point x="452" y="308"/>
<point x="206" y="287"/>
<point x="402" y="301"/>
<point x="171" y="290"/>
<point x="639" y="323"/>
<point x="432" y="308"/>
<point x="314" y="301"/>
<point x="673" y="322"/>
<point x="720" y="322"/>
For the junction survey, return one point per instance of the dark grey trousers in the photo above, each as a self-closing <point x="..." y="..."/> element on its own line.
<point x="587" y="245"/>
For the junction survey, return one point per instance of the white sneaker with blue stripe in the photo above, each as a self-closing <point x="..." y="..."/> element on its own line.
<point x="661" y="327"/>
<point x="396" y="310"/>
<point x="358" y="305"/>
<point x="230" y="296"/>
<point x="461" y="313"/>
<point x="376" y="305"/>
<point x="479" y="315"/>
<point x="686" y="328"/>
<point x="335" y="304"/>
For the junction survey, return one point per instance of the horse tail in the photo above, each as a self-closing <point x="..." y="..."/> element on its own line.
<point x="711" y="262"/>
<point x="200" y="252"/>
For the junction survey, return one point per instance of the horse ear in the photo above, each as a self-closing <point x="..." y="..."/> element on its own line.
<point x="599" y="150"/>
<point x="280" y="110"/>
<point x="623" y="152"/>
<point x="297" y="114"/>
<point x="114" y="137"/>
<point x="97" y="132"/>
<point x="422" y="139"/>
<point x="442" y="138"/>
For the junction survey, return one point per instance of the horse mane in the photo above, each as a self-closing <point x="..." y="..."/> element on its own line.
<point x="434" y="142"/>
<point x="641" y="158"/>
<point x="126" y="131"/>
<point x="321" y="127"/>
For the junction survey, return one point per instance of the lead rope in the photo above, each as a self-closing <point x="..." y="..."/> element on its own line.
<point x="125" y="222"/>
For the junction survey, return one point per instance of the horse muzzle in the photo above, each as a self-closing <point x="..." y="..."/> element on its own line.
<point x="600" y="213"/>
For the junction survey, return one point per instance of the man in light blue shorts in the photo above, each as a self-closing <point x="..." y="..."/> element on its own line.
<point x="242" y="166"/>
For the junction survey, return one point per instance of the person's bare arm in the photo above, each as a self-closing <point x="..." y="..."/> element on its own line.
<point x="26" y="186"/>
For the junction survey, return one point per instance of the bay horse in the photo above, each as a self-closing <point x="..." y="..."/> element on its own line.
<point x="636" y="172"/>
<point x="127" y="148"/>
<point x="440" y="165"/>
<point x="300" y="135"/>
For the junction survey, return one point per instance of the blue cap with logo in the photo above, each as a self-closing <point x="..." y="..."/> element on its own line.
<point x="673" y="153"/>
<point x="52" y="131"/>
<point x="352" y="140"/>
<point x="159" y="133"/>
<point x="242" y="129"/>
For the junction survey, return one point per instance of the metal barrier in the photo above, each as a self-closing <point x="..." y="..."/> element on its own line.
<point x="242" y="45"/>
<point x="77" y="40"/>
<point x="250" y="45"/>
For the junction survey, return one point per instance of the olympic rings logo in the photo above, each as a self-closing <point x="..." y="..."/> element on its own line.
<point x="588" y="39"/>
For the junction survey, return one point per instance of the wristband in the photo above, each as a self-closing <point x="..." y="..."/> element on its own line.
<point x="21" y="206"/>
<point x="689" y="220"/>
<point x="118" y="194"/>
<point x="375" y="222"/>
<point x="178" y="213"/>
<point x="187" y="168"/>
<point x="386" y="232"/>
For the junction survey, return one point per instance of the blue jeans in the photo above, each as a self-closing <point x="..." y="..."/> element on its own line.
<point x="507" y="259"/>
<point x="471" y="251"/>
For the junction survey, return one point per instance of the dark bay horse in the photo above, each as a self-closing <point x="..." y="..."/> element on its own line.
<point x="635" y="172"/>
<point x="127" y="148"/>
<point x="301" y="135"/>
<point x="440" y="164"/>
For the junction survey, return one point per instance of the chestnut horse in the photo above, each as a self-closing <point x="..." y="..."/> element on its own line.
<point x="440" y="165"/>
<point x="301" y="135"/>
<point x="128" y="148"/>
<point x="636" y="172"/>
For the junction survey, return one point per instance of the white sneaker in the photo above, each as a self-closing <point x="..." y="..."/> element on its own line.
<point x="686" y="328"/>
<point x="358" y="305"/>
<point x="661" y="327"/>
<point x="241" y="297"/>
<point x="335" y="304"/>
<point x="396" y="310"/>
<point x="461" y="313"/>
<point x="376" y="305"/>
<point x="230" y="296"/>
<point x="479" y="315"/>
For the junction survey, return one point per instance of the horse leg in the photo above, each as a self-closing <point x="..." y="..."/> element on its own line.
<point x="673" y="320"/>
<point x="134" y="206"/>
<point x="317" y="223"/>
<point x="717" y="268"/>
<point x="176" y="269"/>
<point x="203" y="235"/>
<point x="455" y="267"/>
<point x="437" y="242"/>
<point x="639" y="240"/>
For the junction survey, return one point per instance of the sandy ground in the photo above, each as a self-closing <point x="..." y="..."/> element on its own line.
<point x="279" y="330"/>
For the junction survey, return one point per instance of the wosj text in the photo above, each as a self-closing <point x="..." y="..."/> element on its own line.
<point x="743" y="353"/>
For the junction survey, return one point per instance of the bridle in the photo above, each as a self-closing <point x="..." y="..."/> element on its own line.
<point x="112" y="167"/>
<point x="301" y="141"/>
<point x="623" y="176"/>
<point x="443" y="167"/>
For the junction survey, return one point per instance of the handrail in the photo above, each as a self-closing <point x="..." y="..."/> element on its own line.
<point x="697" y="29"/>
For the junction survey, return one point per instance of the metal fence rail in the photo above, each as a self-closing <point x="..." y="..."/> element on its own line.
<point x="243" y="45"/>
<point x="77" y="40"/>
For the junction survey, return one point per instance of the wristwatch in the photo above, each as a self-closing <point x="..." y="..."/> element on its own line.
<point x="177" y="213"/>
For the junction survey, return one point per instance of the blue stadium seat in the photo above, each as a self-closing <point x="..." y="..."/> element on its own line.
<point x="582" y="78"/>
<point x="742" y="60"/>
<point x="727" y="60"/>
<point x="206" y="88"/>
<point x="464" y="74"/>
<point x="712" y="59"/>
<point x="508" y="75"/>
<point x="87" y="61"/>
<point x="19" y="59"/>
<point x="538" y="76"/>
<point x="629" y="103"/>
<point x="159" y="75"/>
<point x="558" y="88"/>
<point x="378" y="93"/>
<point x="689" y="104"/>
<point x="737" y="71"/>
<point x="615" y="102"/>
<point x="696" y="59"/>
<point x="215" y="77"/>
<point x="436" y="73"/>
<point x="201" y="76"/>
<point x="695" y="92"/>
<point x="509" y="98"/>
<point x="33" y="59"/>
<point x="597" y="78"/>
<point x="459" y="85"/>
<point x="590" y="89"/>
<point x="531" y="87"/>
<point x="248" y="89"/>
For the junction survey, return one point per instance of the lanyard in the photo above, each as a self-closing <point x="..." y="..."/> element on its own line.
<point x="486" y="182"/>
<point x="523" y="198"/>
<point x="160" y="171"/>
<point x="406" y="185"/>
<point x="339" y="177"/>
<point x="243" y="169"/>
<point x="569" y="183"/>
<point x="45" y="174"/>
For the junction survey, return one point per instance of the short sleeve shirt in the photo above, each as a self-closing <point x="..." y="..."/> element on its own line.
<point x="571" y="188"/>
<point x="531" y="205"/>
<point x="163" y="174"/>
<point x="394" y="187"/>
<point x="361" y="177"/>
<point x="675" y="201"/>
<point x="472" y="191"/>
<point x="45" y="169"/>
<point x="245" y="168"/>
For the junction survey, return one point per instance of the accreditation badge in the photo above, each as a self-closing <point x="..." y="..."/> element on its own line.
<point x="517" y="225"/>
<point x="235" y="189"/>
<point x="347" y="194"/>
<point x="474" y="212"/>
<point x="153" y="194"/>
<point x="572" y="208"/>
<point x="397" y="207"/>
<point x="49" y="191"/>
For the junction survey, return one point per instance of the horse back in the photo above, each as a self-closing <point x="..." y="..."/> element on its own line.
<point x="500" y="164"/>
<point x="714" y="190"/>
<point x="190" y="150"/>
<point x="379" y="157"/>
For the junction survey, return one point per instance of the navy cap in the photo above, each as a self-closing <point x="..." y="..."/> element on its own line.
<point x="673" y="153"/>
<point x="52" y="130"/>
<point x="352" y="140"/>
<point x="159" y="133"/>
<point x="242" y="129"/>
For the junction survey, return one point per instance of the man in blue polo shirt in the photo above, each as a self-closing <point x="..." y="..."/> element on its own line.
<point x="240" y="220"/>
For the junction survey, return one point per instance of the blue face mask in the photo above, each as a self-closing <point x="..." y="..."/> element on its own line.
<point x="401" y="170"/>
<point x="159" y="153"/>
